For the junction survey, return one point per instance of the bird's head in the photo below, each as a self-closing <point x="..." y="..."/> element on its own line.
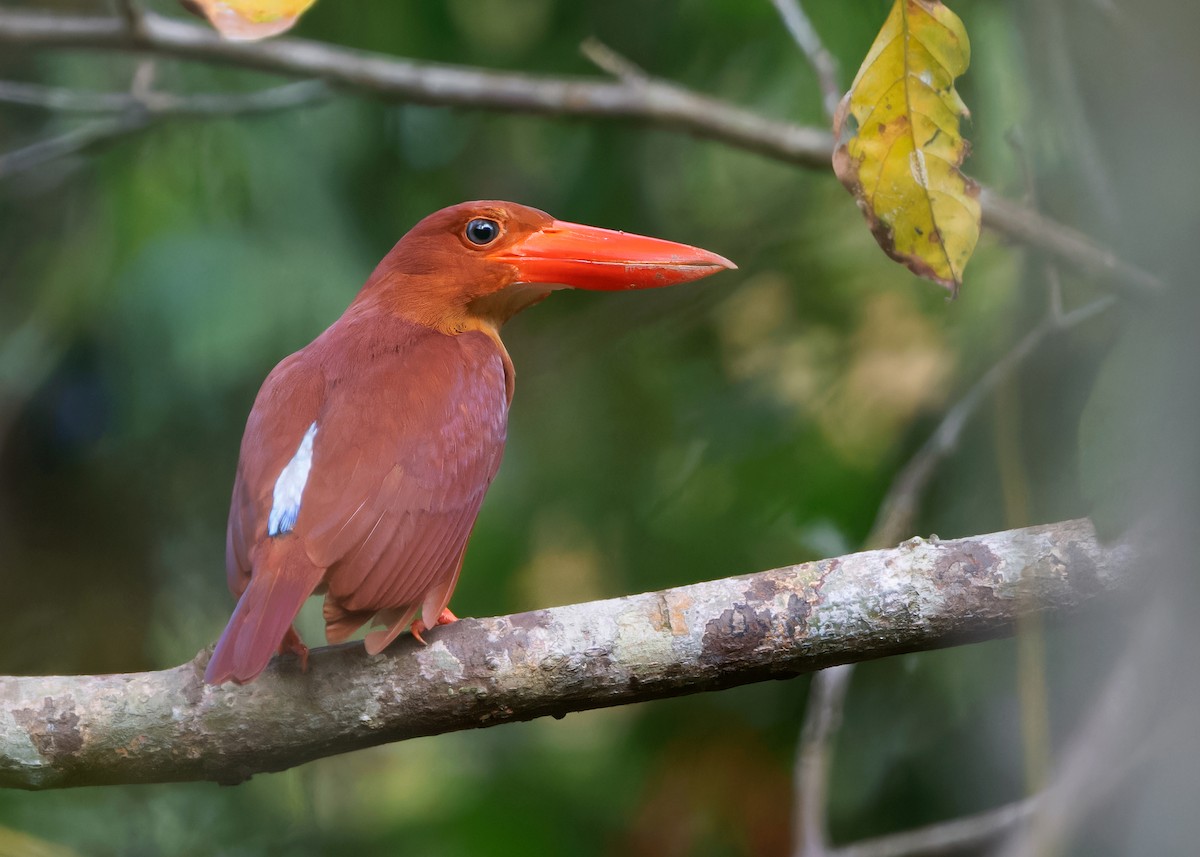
<point x="480" y="263"/>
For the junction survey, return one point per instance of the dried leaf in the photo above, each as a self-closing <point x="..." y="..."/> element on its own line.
<point x="901" y="161"/>
<point x="250" y="20"/>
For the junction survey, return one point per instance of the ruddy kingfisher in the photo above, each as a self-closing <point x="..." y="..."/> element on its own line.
<point x="368" y="452"/>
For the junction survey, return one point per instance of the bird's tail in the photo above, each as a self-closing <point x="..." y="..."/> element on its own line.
<point x="263" y="615"/>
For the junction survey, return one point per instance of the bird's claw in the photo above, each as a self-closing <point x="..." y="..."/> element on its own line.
<point x="294" y="645"/>
<point x="419" y="627"/>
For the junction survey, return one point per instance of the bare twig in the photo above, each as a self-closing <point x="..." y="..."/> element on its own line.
<point x="822" y="61"/>
<point x="1031" y="198"/>
<point x="65" y="100"/>
<point x="130" y="12"/>
<point x="70" y="143"/>
<point x="1125" y="727"/>
<point x="894" y="521"/>
<point x="651" y="100"/>
<point x="654" y="101"/>
<point x="165" y="104"/>
<point x="814" y="754"/>
<point x="970" y="834"/>
<point x="1033" y="229"/>
<point x="169" y="726"/>
<point x="606" y="59"/>
<point x="132" y="112"/>
<point x="1059" y="90"/>
<point x="142" y="85"/>
<point x="1055" y="307"/>
<point x="898" y="510"/>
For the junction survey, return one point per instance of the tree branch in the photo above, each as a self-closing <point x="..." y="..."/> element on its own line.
<point x="971" y="834"/>
<point x="648" y="100"/>
<point x="1033" y="229"/>
<point x="168" y="726"/>
<point x="165" y="105"/>
<point x="896" y="517"/>
<point x="69" y="143"/>
<point x="1125" y="726"/>
<point x="809" y="42"/>
<point x="898" y="511"/>
<point x="431" y="83"/>
<point x="814" y="759"/>
<point x="131" y="112"/>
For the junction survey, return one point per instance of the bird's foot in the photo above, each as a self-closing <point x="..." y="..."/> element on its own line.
<point x="419" y="627"/>
<point x="294" y="645"/>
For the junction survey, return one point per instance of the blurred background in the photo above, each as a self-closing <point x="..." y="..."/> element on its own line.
<point x="749" y="421"/>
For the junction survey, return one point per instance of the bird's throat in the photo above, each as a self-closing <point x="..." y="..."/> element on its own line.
<point x="499" y="307"/>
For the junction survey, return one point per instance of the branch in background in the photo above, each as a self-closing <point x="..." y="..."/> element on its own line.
<point x="1029" y="227"/>
<point x="896" y="518"/>
<point x="165" y="105"/>
<point x="606" y="59"/>
<point x="809" y="42"/>
<point x="69" y="143"/>
<point x="982" y="831"/>
<point x="814" y="760"/>
<point x="648" y="100"/>
<point x="168" y="726"/>
<point x="383" y="76"/>
<point x="1125" y="727"/>
<point x="130" y="14"/>
<point x="898" y="511"/>
<point x="133" y="112"/>
<point x="971" y="834"/>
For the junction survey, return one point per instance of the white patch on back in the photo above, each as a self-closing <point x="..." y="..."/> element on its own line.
<point x="289" y="487"/>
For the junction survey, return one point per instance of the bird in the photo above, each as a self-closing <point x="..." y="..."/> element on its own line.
<point x="368" y="452"/>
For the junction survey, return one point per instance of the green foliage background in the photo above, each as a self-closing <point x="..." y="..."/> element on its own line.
<point x="659" y="438"/>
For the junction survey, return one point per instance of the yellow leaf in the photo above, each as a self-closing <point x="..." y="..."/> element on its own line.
<point x="901" y="160"/>
<point x="250" y="20"/>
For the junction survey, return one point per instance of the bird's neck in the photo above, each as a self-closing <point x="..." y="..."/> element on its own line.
<point x="499" y="307"/>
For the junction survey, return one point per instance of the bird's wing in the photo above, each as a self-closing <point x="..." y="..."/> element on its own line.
<point x="408" y="441"/>
<point x="286" y="405"/>
<point x="404" y="430"/>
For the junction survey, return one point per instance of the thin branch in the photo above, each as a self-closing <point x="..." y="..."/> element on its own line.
<point x="165" y="104"/>
<point x="1031" y="198"/>
<point x="895" y="520"/>
<point x="971" y="834"/>
<point x="142" y="84"/>
<point x="1029" y="227"/>
<point x="822" y="720"/>
<point x="169" y="726"/>
<point x="131" y="112"/>
<point x="131" y="13"/>
<point x="652" y="101"/>
<point x="1057" y="87"/>
<point x="898" y="511"/>
<point x="608" y="60"/>
<point x="65" y="100"/>
<point x="388" y="77"/>
<point x="1055" y="308"/>
<point x="1126" y="726"/>
<point x="70" y="143"/>
<point x="809" y="41"/>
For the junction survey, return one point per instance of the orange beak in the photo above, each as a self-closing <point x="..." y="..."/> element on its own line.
<point x="586" y="257"/>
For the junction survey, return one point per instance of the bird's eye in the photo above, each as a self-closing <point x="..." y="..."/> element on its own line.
<point x="482" y="231"/>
